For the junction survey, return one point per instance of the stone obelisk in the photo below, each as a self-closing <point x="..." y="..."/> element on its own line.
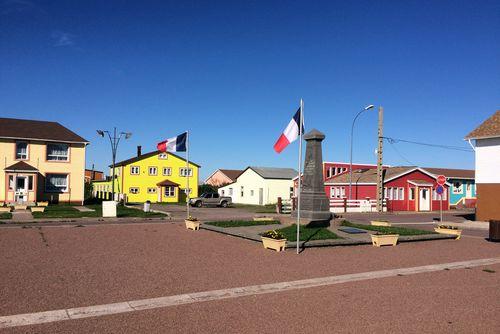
<point x="314" y="204"/>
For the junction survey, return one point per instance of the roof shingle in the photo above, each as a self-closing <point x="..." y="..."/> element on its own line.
<point x="43" y="130"/>
<point x="488" y="129"/>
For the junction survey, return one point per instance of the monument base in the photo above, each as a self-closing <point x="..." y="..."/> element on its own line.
<point x="313" y="218"/>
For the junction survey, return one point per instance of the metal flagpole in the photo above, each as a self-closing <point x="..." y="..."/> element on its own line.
<point x="187" y="171"/>
<point x="300" y="176"/>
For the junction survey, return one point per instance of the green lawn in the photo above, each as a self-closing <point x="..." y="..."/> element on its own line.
<point x="269" y="208"/>
<point x="388" y="230"/>
<point x="239" y="223"/>
<point x="67" y="211"/>
<point x="308" y="233"/>
<point x="5" y="215"/>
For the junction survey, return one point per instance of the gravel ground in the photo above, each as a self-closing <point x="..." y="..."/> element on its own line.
<point x="61" y="267"/>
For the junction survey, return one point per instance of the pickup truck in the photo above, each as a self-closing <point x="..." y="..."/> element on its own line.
<point x="210" y="199"/>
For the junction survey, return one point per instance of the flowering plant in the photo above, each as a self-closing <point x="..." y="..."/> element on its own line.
<point x="276" y="235"/>
<point x="192" y="219"/>
<point x="449" y="227"/>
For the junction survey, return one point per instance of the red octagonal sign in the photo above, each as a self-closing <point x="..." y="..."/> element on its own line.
<point x="441" y="180"/>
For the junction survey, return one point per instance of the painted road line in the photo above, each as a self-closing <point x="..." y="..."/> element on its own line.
<point x="197" y="297"/>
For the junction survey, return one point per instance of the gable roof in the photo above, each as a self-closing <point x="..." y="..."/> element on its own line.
<point x="369" y="176"/>
<point x="274" y="172"/>
<point x="21" y="166"/>
<point x="13" y="128"/>
<point x="145" y="156"/>
<point x="452" y="173"/>
<point x="232" y="173"/>
<point x="490" y="128"/>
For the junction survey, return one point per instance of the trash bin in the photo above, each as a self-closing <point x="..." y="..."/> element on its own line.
<point x="495" y="230"/>
<point x="147" y="206"/>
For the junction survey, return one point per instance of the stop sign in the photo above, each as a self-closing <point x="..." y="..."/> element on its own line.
<point x="441" y="180"/>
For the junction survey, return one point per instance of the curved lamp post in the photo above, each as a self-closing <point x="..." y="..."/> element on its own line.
<point x="114" y="141"/>
<point x="371" y="106"/>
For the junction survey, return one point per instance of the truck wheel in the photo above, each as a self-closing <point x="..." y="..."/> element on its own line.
<point x="224" y="204"/>
<point x="198" y="204"/>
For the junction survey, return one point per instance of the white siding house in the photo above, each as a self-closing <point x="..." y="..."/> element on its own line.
<point x="260" y="185"/>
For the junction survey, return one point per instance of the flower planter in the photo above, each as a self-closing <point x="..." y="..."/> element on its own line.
<point x="192" y="224"/>
<point x="276" y="244"/>
<point x="5" y="209"/>
<point x="380" y="223"/>
<point x="444" y="230"/>
<point x="384" y="239"/>
<point x="42" y="203"/>
<point x="263" y="219"/>
<point x="20" y="207"/>
<point x="37" y="209"/>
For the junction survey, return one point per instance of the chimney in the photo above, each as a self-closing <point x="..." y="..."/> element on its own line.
<point x="139" y="151"/>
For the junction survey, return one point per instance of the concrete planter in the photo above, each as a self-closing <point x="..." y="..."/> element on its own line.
<point x="443" y="230"/>
<point x="384" y="239"/>
<point x="5" y="208"/>
<point x="37" y="209"/>
<point x="380" y="223"/>
<point x="20" y="207"/>
<point x="263" y="219"/>
<point x="276" y="244"/>
<point x="192" y="225"/>
<point x="42" y="203"/>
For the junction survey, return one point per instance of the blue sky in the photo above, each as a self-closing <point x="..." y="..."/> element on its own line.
<point x="232" y="72"/>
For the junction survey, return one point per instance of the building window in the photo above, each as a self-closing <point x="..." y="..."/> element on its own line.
<point x="412" y="194"/>
<point x="30" y="182"/>
<point x="230" y="192"/>
<point x="183" y="172"/>
<point x="391" y="194"/>
<point x="386" y="194"/>
<point x="133" y="190"/>
<point x="251" y="192"/>
<point x="57" y="152"/>
<point x="458" y="188"/>
<point x="134" y="170"/>
<point x="342" y="192"/>
<point x="56" y="183"/>
<point x="167" y="171"/>
<point x="401" y="194"/>
<point x="169" y="191"/>
<point x="328" y="172"/>
<point x="11" y="182"/>
<point x="242" y="191"/>
<point x="163" y="156"/>
<point x="151" y="190"/>
<point x="21" y="150"/>
<point x="152" y="171"/>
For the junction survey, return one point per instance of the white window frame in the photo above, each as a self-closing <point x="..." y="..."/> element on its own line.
<point x="332" y="192"/>
<point x="401" y="193"/>
<point x="230" y="191"/>
<point x="411" y="194"/>
<point x="135" y="170"/>
<point x="163" y="156"/>
<point x="55" y="189"/>
<point x="55" y="157"/>
<point x="390" y="193"/>
<point x="168" y="171"/>
<point x="169" y="191"/>
<point x="154" y="169"/>
<point x="182" y="172"/>
<point x="458" y="190"/>
<point x="27" y="150"/>
<point x="342" y="192"/>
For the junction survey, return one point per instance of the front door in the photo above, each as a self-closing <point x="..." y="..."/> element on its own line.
<point x="424" y="200"/>
<point x="21" y="191"/>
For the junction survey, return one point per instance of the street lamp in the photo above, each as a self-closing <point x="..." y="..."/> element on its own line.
<point x="114" y="141"/>
<point x="371" y="106"/>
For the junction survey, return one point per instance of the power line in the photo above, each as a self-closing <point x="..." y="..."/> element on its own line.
<point x="400" y="155"/>
<point x="448" y="147"/>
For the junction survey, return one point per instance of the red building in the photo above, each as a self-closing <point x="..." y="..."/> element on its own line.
<point x="93" y="175"/>
<point x="405" y="188"/>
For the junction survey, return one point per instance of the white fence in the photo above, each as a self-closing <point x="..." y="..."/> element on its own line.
<point x="355" y="205"/>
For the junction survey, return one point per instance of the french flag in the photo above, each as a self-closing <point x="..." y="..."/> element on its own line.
<point x="174" y="144"/>
<point x="291" y="133"/>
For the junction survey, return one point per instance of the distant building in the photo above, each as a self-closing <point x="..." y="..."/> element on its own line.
<point x="155" y="176"/>
<point x="221" y="177"/>
<point x="42" y="161"/>
<point x="487" y="151"/>
<point x="260" y="185"/>
<point x="93" y="175"/>
<point x="462" y="190"/>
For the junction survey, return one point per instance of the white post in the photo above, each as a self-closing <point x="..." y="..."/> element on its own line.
<point x="300" y="176"/>
<point x="187" y="171"/>
<point x="441" y="208"/>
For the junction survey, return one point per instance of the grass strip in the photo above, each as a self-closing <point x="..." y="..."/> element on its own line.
<point x="388" y="229"/>
<point x="5" y="215"/>
<point x="308" y="233"/>
<point x="239" y="223"/>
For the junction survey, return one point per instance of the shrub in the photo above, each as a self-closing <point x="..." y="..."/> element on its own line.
<point x="277" y="235"/>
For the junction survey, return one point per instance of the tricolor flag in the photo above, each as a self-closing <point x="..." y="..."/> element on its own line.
<point x="175" y="144"/>
<point x="291" y="133"/>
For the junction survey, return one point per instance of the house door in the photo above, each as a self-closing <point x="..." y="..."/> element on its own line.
<point x="261" y="196"/>
<point x="424" y="200"/>
<point x="21" y="191"/>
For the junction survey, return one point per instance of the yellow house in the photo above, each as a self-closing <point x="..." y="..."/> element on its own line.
<point x="41" y="161"/>
<point x="155" y="176"/>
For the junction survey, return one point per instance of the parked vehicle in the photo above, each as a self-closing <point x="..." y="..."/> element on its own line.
<point x="210" y="199"/>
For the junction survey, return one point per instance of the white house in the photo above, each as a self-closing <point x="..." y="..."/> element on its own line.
<point x="487" y="148"/>
<point x="260" y="185"/>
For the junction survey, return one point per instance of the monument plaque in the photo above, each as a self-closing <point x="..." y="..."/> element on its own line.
<point x="314" y="204"/>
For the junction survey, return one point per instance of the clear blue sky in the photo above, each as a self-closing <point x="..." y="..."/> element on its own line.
<point x="232" y="72"/>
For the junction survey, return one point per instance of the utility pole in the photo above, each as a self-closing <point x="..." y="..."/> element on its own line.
<point x="380" y="154"/>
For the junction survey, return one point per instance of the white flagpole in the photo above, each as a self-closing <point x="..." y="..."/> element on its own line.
<point x="188" y="193"/>
<point x="300" y="176"/>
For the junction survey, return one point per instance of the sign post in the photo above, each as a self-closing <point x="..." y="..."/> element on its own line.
<point x="441" y="180"/>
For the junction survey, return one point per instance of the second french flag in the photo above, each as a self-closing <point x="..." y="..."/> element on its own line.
<point x="291" y="133"/>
